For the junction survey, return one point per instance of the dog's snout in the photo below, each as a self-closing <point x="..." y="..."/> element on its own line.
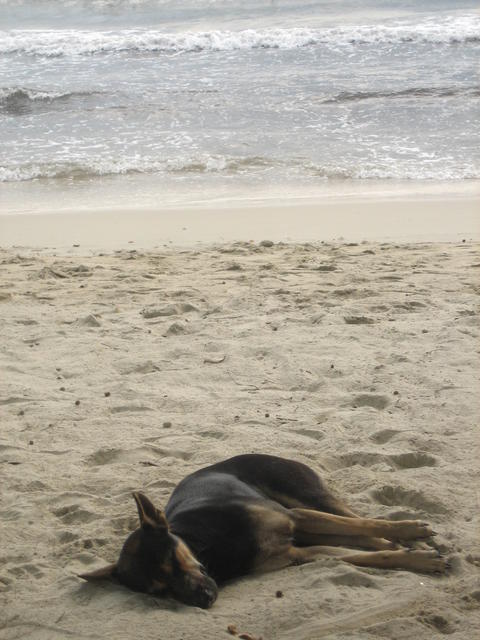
<point x="210" y="593"/>
<point x="198" y="591"/>
<point x="204" y="592"/>
<point x="207" y="594"/>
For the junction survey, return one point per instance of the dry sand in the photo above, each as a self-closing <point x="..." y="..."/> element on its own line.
<point x="125" y="371"/>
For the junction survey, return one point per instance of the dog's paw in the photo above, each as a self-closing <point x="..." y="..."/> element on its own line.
<point x="429" y="561"/>
<point x="411" y="530"/>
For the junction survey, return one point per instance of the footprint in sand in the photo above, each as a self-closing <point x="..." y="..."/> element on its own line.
<point x="413" y="460"/>
<point x="176" y="329"/>
<point x="162" y="484"/>
<point x="411" y="305"/>
<point x="370" y="400"/>
<point x="27" y="570"/>
<point x="5" y="583"/>
<point x="74" y="514"/>
<point x="310" y="433"/>
<point x="362" y="458"/>
<point x="358" y="320"/>
<point x="104" y="456"/>
<point x="88" y="321"/>
<point x="140" y="368"/>
<point x="391" y="496"/>
<point x="217" y="435"/>
<point x="438" y="623"/>
<point x="130" y="408"/>
<point x="354" y="579"/>
<point x="408" y="460"/>
<point x="142" y="455"/>
<point x="66" y="537"/>
<point x="168" y="310"/>
<point x="94" y="543"/>
<point x="384" y="436"/>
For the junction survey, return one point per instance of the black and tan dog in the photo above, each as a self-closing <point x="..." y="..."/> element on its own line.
<point x="253" y="513"/>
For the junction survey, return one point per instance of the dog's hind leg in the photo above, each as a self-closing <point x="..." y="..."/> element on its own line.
<point x="429" y="561"/>
<point x="308" y="521"/>
<point x="355" y="542"/>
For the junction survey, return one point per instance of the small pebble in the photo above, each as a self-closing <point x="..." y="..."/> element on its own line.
<point x="167" y="424"/>
<point x="77" y="402"/>
<point x="21" y="412"/>
<point x="31" y="442"/>
<point x="424" y="330"/>
<point x="279" y="594"/>
<point x="396" y="393"/>
<point x="232" y="629"/>
<point x="62" y="388"/>
<point x="107" y="394"/>
<point x="266" y="243"/>
<point x="267" y="415"/>
<point x="332" y="366"/>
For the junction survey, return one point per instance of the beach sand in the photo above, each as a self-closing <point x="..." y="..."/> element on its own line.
<point x="125" y="370"/>
<point x="398" y="216"/>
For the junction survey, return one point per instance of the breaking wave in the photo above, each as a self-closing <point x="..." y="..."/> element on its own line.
<point x="231" y="166"/>
<point x="17" y="100"/>
<point x="414" y="92"/>
<point x="447" y="31"/>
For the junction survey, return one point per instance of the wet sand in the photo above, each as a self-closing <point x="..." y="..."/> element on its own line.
<point x="417" y="217"/>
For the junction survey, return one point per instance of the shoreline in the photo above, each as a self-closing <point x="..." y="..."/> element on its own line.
<point x="414" y="218"/>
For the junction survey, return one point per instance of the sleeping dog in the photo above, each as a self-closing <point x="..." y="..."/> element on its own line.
<point x="253" y="513"/>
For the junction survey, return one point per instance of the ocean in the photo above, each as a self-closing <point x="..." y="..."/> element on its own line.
<point x="180" y="99"/>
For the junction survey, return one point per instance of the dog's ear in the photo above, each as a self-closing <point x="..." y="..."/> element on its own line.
<point x="149" y="515"/>
<point x="105" y="573"/>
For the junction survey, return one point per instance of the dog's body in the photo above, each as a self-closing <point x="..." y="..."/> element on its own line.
<point x="253" y="513"/>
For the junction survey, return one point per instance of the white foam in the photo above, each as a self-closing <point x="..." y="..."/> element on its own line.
<point x="9" y="93"/>
<point x="449" y="30"/>
<point x="249" y="167"/>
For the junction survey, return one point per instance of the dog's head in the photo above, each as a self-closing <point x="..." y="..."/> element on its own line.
<point x="155" y="561"/>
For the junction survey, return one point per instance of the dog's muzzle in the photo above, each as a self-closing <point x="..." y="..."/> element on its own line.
<point x="196" y="590"/>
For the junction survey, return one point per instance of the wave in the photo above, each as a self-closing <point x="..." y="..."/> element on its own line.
<point x="105" y="167"/>
<point x="447" y="31"/>
<point x="19" y="101"/>
<point x="254" y="166"/>
<point x="413" y="92"/>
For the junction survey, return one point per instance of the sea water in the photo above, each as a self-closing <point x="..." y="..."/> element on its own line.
<point x="211" y="95"/>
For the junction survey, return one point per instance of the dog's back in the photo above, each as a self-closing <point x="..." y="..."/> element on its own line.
<point x="215" y="511"/>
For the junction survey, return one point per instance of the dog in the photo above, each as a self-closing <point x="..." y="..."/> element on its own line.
<point x="252" y="513"/>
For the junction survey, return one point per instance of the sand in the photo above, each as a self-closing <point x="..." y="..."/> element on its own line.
<point x="126" y="370"/>
<point x="402" y="216"/>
